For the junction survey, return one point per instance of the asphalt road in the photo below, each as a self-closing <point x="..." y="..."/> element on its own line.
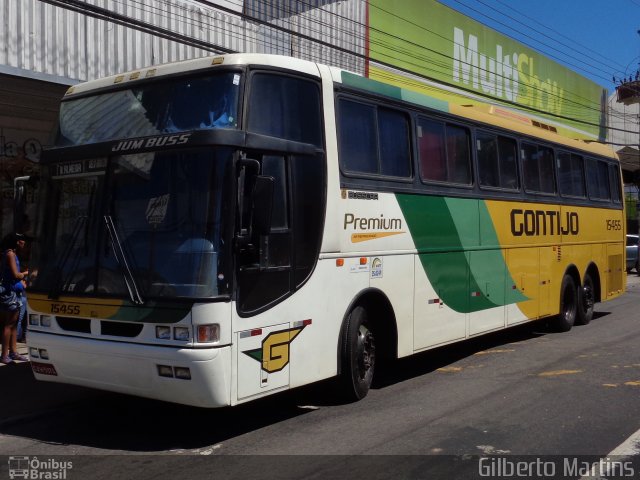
<point x="522" y="392"/>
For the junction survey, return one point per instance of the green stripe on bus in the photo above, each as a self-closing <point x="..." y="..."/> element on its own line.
<point x="373" y="86"/>
<point x="447" y="235"/>
<point x="356" y="81"/>
<point x="424" y="101"/>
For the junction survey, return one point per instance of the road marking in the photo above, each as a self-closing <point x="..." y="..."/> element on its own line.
<point x="486" y="352"/>
<point x="635" y="383"/>
<point x="555" y="373"/>
<point x="450" y="369"/>
<point x="610" y="385"/>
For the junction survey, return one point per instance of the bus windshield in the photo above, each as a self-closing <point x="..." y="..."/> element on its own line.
<point x="139" y="226"/>
<point x="175" y="105"/>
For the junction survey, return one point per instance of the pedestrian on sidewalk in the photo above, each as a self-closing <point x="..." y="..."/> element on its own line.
<point x="14" y="284"/>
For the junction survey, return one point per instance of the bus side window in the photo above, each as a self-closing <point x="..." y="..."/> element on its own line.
<point x="374" y="140"/>
<point x="571" y="174"/>
<point x="274" y="166"/>
<point x="444" y="151"/>
<point x="497" y="165"/>
<point x="395" y="154"/>
<point x="308" y="177"/>
<point x="357" y="123"/>
<point x="538" y="169"/>
<point x="614" y="180"/>
<point x="433" y="164"/>
<point x="458" y="155"/>
<point x="508" y="163"/>
<point x="598" y="180"/>
<point x="280" y="236"/>
<point x="487" y="148"/>
<point x="285" y="107"/>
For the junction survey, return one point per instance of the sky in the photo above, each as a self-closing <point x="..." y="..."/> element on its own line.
<point x="596" y="38"/>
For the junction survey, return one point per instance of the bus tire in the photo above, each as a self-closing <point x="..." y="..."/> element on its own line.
<point x="586" y="300"/>
<point x="358" y="355"/>
<point x="568" y="305"/>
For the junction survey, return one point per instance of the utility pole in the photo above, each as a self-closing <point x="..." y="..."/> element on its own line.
<point x="628" y="92"/>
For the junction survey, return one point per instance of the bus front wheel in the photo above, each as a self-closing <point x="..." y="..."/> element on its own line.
<point x="568" y="305"/>
<point x="358" y="355"/>
<point x="586" y="300"/>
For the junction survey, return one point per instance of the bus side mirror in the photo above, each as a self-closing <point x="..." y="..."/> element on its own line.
<point x="262" y="200"/>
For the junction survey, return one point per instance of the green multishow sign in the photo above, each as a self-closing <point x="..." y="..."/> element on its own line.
<point x="435" y="41"/>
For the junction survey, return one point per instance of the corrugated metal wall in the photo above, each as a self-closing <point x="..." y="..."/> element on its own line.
<point x="41" y="38"/>
<point x="38" y="37"/>
<point x="342" y="24"/>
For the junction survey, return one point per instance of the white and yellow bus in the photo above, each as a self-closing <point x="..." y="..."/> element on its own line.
<point x="221" y="229"/>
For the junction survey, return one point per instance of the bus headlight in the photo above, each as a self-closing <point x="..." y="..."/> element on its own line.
<point x="34" y="319"/>
<point x="46" y="320"/>
<point x="181" y="333"/>
<point x="208" y="333"/>
<point x="163" y="333"/>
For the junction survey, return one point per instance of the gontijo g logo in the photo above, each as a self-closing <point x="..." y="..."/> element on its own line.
<point x="274" y="353"/>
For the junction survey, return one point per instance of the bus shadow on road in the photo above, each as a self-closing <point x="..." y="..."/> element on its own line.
<point x="63" y="415"/>
<point x="441" y="357"/>
<point x="124" y="424"/>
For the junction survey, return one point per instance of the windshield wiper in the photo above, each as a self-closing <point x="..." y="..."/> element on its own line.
<point x="58" y="284"/>
<point x="121" y="258"/>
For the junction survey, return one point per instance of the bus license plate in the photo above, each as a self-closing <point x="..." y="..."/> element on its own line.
<point x="43" y="368"/>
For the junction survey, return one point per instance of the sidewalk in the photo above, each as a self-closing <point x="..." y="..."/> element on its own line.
<point x="22" y="350"/>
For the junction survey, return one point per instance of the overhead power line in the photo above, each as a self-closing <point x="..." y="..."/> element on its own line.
<point x="107" y="15"/>
<point x="526" y="35"/>
<point x="572" y="107"/>
<point x="617" y="67"/>
<point x="110" y="16"/>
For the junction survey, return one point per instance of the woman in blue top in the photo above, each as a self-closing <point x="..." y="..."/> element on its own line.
<point x="13" y="281"/>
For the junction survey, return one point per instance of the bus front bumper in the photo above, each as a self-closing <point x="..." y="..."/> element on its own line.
<point x="136" y="369"/>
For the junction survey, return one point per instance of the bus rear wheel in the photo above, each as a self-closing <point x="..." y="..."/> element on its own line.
<point x="586" y="300"/>
<point x="568" y="305"/>
<point x="358" y="355"/>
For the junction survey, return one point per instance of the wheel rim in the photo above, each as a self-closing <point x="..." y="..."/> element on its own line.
<point x="366" y="352"/>
<point x="587" y="297"/>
